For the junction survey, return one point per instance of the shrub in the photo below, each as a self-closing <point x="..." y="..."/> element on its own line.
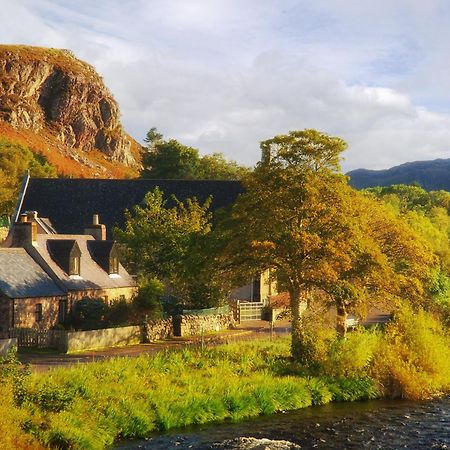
<point x="414" y="358"/>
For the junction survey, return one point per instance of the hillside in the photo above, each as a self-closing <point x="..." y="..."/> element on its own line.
<point x="431" y="175"/>
<point x="59" y="107"/>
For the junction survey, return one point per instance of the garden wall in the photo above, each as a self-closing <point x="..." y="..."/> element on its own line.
<point x="188" y="325"/>
<point x="77" y="341"/>
<point x="157" y="330"/>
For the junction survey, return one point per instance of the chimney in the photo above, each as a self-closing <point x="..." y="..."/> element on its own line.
<point x="32" y="216"/>
<point x="96" y="229"/>
<point x="24" y="232"/>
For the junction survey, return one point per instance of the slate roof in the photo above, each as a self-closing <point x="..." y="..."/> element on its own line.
<point x="92" y="276"/>
<point x="61" y="249"/>
<point x="101" y="252"/>
<point x="22" y="277"/>
<point x="70" y="203"/>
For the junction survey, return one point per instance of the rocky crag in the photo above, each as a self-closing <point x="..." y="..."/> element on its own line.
<point x="62" y="100"/>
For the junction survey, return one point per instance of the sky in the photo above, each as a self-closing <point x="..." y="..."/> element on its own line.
<point x="223" y="75"/>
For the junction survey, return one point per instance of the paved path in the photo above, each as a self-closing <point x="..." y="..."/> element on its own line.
<point x="45" y="360"/>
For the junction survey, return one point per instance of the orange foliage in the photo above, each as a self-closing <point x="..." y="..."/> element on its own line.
<point x="60" y="156"/>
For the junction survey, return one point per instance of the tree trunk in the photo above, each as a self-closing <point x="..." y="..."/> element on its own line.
<point x="341" y="318"/>
<point x="298" y="305"/>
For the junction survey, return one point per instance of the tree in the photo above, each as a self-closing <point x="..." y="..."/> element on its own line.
<point x="294" y="217"/>
<point x="172" y="160"/>
<point x="390" y="261"/>
<point x="300" y="218"/>
<point x="15" y="160"/>
<point x="177" y="245"/>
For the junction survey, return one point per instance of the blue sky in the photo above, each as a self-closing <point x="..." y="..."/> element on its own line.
<point x="222" y="75"/>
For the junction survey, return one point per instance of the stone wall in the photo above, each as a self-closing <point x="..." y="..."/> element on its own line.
<point x="5" y="316"/>
<point x="157" y="330"/>
<point x="195" y="325"/>
<point x="6" y="345"/>
<point x="25" y="312"/>
<point x="77" y="341"/>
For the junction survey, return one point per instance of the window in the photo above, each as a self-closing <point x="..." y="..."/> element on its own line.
<point x="62" y="311"/>
<point x="113" y="264"/>
<point x="74" y="268"/>
<point x="38" y="312"/>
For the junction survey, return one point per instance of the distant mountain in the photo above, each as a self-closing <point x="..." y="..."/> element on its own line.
<point x="431" y="175"/>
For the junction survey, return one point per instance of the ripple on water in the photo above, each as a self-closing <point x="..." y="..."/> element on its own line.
<point x="367" y="425"/>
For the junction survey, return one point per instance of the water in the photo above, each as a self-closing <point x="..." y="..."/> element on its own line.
<point x="365" y="425"/>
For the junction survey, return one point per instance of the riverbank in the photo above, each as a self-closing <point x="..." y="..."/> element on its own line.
<point x="90" y="406"/>
<point x="375" y="424"/>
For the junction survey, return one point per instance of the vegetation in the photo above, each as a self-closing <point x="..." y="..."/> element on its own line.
<point x="15" y="160"/>
<point x="176" y="245"/>
<point x="428" y="214"/>
<point x="300" y="218"/>
<point x="172" y="160"/>
<point x="90" y="406"/>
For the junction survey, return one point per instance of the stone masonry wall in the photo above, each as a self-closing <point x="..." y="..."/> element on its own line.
<point x="25" y="312"/>
<point x="195" y="325"/>
<point x="157" y="330"/>
<point x="5" y="317"/>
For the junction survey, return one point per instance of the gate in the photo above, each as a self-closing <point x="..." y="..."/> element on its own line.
<point x="249" y="310"/>
<point x="29" y="337"/>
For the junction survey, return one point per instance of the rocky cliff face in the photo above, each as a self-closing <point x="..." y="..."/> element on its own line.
<point x="52" y="90"/>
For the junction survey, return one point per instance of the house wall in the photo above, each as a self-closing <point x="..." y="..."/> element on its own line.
<point x="5" y="316"/>
<point x="109" y="295"/>
<point x="266" y="285"/>
<point x="25" y="312"/>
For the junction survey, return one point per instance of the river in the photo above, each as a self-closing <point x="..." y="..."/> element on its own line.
<point x="369" y="425"/>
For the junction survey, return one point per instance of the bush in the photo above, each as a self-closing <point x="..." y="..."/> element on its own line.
<point x="148" y="299"/>
<point x="413" y="360"/>
<point x="89" y="313"/>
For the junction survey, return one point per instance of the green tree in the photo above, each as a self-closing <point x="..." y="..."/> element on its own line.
<point x="15" y="160"/>
<point x="176" y="245"/>
<point x="172" y="160"/>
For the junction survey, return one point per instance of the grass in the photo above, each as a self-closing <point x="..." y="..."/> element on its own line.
<point x="92" y="405"/>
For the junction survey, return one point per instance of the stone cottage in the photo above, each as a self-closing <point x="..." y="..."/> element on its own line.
<point x="42" y="273"/>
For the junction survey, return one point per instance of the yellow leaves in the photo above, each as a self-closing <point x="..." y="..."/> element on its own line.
<point x="263" y="245"/>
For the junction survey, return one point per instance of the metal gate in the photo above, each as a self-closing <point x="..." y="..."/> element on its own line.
<point x="250" y="310"/>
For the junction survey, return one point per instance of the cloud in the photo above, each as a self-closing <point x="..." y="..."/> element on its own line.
<point x="222" y="75"/>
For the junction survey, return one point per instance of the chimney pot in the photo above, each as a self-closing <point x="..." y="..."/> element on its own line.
<point x="32" y="215"/>
<point x="95" y="219"/>
<point x="23" y="218"/>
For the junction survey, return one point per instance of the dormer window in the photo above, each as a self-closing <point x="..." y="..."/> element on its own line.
<point x="106" y="255"/>
<point x="66" y="253"/>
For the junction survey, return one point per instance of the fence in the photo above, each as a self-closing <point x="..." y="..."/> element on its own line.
<point x="207" y="312"/>
<point x="29" y="337"/>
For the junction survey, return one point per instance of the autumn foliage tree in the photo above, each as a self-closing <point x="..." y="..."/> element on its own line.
<point x="300" y="218"/>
